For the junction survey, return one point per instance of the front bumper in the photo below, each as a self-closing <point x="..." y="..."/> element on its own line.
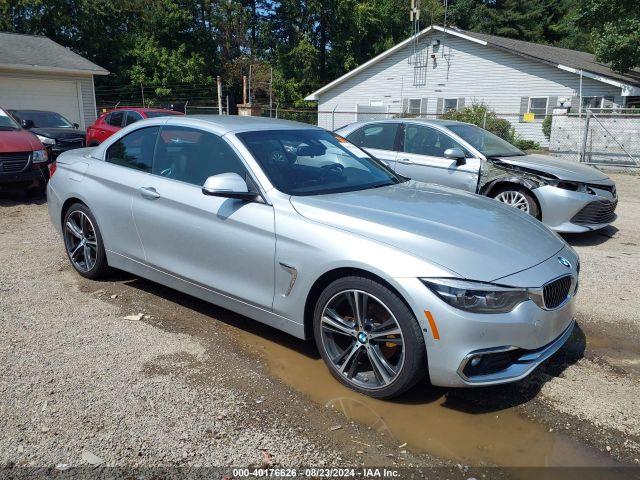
<point x="32" y="174"/>
<point x="531" y="332"/>
<point x="569" y="211"/>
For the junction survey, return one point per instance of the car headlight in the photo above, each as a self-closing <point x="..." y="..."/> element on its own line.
<point x="39" y="156"/>
<point x="573" y="186"/>
<point x="46" y="140"/>
<point x="477" y="297"/>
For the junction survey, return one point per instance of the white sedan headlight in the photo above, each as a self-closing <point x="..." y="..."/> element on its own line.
<point x="39" y="156"/>
<point x="477" y="297"/>
<point x="46" y="140"/>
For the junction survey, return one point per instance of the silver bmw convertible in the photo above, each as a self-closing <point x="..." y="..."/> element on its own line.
<point x="566" y="196"/>
<point x="396" y="281"/>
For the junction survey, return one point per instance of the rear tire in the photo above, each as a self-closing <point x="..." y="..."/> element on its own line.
<point x="379" y="352"/>
<point x="518" y="197"/>
<point x="83" y="242"/>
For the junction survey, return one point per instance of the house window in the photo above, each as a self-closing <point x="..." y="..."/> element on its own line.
<point x="450" y="104"/>
<point x="538" y="106"/>
<point x="376" y="103"/>
<point x="597" y="102"/>
<point x="414" y="106"/>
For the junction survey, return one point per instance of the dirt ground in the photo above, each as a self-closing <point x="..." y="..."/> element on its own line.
<point x="192" y="384"/>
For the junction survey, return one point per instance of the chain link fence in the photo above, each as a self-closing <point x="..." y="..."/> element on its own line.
<point x="600" y="137"/>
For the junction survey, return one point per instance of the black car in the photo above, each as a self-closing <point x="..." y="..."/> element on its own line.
<point x="55" y="132"/>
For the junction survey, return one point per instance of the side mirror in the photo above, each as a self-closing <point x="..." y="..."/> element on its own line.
<point x="455" y="154"/>
<point x="229" y="185"/>
<point x="75" y="125"/>
<point x="27" y="124"/>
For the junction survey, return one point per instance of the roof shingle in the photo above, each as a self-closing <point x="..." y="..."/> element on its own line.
<point x="556" y="55"/>
<point x="18" y="50"/>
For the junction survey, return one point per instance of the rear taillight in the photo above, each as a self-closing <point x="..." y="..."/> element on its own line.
<point x="52" y="168"/>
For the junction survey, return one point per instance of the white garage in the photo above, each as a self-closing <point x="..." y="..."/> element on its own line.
<point x="38" y="74"/>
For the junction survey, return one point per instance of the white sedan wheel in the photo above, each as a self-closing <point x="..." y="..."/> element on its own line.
<point x="515" y="199"/>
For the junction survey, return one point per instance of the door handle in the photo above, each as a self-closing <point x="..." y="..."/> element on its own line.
<point x="149" y="193"/>
<point x="406" y="161"/>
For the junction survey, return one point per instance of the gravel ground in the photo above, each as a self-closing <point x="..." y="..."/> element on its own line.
<point x="604" y="386"/>
<point x="175" y="387"/>
<point x="82" y="385"/>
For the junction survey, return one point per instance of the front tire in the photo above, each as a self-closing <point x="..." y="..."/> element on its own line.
<point x="83" y="242"/>
<point x="518" y="197"/>
<point x="369" y="338"/>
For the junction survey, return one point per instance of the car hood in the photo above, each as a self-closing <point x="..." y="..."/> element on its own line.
<point x="59" y="133"/>
<point x="18" y="141"/>
<point x="473" y="236"/>
<point x="563" y="169"/>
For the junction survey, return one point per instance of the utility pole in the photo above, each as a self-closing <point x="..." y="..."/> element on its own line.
<point x="244" y="89"/>
<point x="142" y="91"/>
<point x="219" y="83"/>
<point x="249" y="83"/>
<point x="270" y="90"/>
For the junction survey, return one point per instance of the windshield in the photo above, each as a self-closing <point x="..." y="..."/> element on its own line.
<point x="43" y="119"/>
<point x="313" y="162"/>
<point x="6" y="122"/>
<point x="487" y="143"/>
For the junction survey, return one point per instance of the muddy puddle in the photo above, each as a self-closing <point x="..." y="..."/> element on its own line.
<point x="622" y="352"/>
<point x="474" y="427"/>
<point x="456" y="424"/>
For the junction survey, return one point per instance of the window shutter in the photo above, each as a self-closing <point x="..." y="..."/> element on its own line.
<point x="551" y="104"/>
<point x="423" y="106"/>
<point x="524" y="107"/>
<point x="405" y="106"/>
<point x="439" y="105"/>
<point x="460" y="104"/>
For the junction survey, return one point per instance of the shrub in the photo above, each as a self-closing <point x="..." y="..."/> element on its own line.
<point x="479" y="114"/>
<point x="526" y="144"/>
<point x="546" y="126"/>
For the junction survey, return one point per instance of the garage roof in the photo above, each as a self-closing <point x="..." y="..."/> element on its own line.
<point x="41" y="54"/>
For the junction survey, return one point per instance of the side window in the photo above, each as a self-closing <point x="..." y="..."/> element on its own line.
<point x="132" y="117"/>
<point x="424" y="140"/>
<point x="377" y="135"/>
<point x="192" y="155"/>
<point x="115" y="118"/>
<point x="134" y="150"/>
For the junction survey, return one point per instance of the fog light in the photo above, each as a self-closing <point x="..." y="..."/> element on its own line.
<point x="475" y="361"/>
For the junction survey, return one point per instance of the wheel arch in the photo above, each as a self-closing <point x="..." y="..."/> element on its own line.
<point x="331" y="275"/>
<point x="66" y="205"/>
<point x="492" y="188"/>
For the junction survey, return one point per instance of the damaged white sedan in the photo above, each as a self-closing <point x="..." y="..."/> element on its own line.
<point x="566" y="196"/>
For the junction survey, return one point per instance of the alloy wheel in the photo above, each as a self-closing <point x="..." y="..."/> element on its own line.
<point x="81" y="241"/>
<point x="515" y="199"/>
<point x="362" y="339"/>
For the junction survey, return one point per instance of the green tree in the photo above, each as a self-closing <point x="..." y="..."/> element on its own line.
<point x="615" y="28"/>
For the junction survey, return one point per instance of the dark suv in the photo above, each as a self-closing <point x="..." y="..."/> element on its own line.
<point x="54" y="131"/>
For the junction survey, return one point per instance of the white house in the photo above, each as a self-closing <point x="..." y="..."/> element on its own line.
<point x="39" y="74"/>
<point x="441" y="69"/>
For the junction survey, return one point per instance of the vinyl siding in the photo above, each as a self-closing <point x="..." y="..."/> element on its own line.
<point x="88" y="101"/>
<point x="469" y="71"/>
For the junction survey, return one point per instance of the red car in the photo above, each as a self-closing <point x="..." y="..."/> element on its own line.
<point x="110" y="122"/>
<point x="23" y="158"/>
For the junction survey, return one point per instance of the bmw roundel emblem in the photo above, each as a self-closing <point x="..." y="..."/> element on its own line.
<point x="564" y="261"/>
